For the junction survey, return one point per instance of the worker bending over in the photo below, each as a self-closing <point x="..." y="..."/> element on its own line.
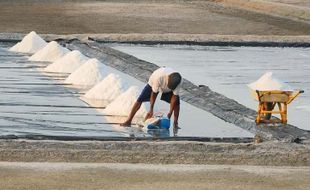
<point x="166" y="81"/>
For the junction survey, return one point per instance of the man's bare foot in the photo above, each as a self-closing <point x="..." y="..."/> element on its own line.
<point x="175" y="130"/>
<point x="126" y="124"/>
<point x="176" y="126"/>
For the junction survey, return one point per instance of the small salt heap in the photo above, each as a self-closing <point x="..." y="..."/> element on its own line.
<point x="267" y="82"/>
<point x="122" y="105"/>
<point x="68" y="63"/>
<point x="51" y="52"/>
<point x="31" y="43"/>
<point x="89" y="74"/>
<point x="108" y="89"/>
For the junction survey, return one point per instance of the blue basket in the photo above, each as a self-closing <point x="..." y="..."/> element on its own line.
<point x="151" y="126"/>
<point x="164" y="123"/>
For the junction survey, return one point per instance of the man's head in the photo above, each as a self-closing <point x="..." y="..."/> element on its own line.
<point x="174" y="79"/>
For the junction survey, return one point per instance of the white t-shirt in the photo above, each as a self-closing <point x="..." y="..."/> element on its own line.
<point x="159" y="81"/>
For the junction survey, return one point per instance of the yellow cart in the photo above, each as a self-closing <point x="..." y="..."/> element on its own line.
<point x="269" y="99"/>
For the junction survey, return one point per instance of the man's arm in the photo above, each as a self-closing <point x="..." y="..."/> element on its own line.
<point x="152" y="103"/>
<point x="173" y="106"/>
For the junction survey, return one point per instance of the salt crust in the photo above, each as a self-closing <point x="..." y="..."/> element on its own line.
<point x="122" y="105"/>
<point x="268" y="82"/>
<point x="108" y="89"/>
<point x="31" y="43"/>
<point x="89" y="74"/>
<point x="68" y="63"/>
<point x="50" y="53"/>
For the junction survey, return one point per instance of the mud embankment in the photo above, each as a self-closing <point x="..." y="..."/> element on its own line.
<point x="149" y="17"/>
<point x="297" y="11"/>
<point x="176" y="39"/>
<point x="159" y="152"/>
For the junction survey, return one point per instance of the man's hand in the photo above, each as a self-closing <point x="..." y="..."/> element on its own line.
<point x="169" y="115"/>
<point x="149" y="115"/>
<point x="152" y="102"/>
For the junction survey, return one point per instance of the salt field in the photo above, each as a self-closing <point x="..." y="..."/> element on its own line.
<point x="35" y="102"/>
<point x="105" y="94"/>
<point x="228" y="70"/>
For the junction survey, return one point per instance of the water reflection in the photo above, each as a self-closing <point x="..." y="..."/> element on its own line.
<point x="159" y="133"/>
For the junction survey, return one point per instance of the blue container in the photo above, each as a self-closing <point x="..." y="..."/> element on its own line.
<point x="164" y="123"/>
<point x="151" y="126"/>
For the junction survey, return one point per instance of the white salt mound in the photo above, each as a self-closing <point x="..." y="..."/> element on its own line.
<point x="122" y="105"/>
<point x="51" y="52"/>
<point x="68" y="63"/>
<point x="89" y="74"/>
<point x="268" y="82"/>
<point x="31" y="43"/>
<point x="108" y="89"/>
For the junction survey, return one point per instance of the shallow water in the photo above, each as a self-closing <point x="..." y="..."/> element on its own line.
<point x="37" y="103"/>
<point x="228" y="70"/>
<point x="32" y="103"/>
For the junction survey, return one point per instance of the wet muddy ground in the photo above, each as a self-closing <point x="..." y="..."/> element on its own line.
<point x="155" y="17"/>
<point x="139" y="176"/>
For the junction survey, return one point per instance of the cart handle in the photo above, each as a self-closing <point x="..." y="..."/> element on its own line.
<point x="293" y="97"/>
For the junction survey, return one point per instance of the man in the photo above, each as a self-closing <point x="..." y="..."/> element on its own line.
<point x="166" y="81"/>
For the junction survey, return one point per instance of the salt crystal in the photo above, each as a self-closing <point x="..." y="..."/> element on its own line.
<point x="267" y="83"/>
<point x="68" y="63"/>
<point x="122" y="105"/>
<point x="108" y="89"/>
<point x="31" y="43"/>
<point x="51" y="52"/>
<point x="89" y="74"/>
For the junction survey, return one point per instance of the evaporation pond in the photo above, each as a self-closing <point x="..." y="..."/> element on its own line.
<point x="34" y="103"/>
<point x="228" y="70"/>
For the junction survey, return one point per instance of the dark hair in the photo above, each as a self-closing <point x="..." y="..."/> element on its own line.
<point x="174" y="79"/>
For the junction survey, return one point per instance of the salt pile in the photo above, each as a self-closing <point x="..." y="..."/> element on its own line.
<point x="108" y="89"/>
<point x="51" y="52"/>
<point x="122" y="104"/>
<point x="89" y="74"/>
<point x="31" y="43"/>
<point x="68" y="63"/>
<point x="268" y="82"/>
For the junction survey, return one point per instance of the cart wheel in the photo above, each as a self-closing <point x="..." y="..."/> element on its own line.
<point x="268" y="107"/>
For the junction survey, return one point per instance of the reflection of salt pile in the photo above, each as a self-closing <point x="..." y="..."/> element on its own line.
<point x="89" y="74"/>
<point x="122" y="104"/>
<point x="68" y="63"/>
<point x="108" y="89"/>
<point x="268" y="82"/>
<point x="51" y="52"/>
<point x="31" y="43"/>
